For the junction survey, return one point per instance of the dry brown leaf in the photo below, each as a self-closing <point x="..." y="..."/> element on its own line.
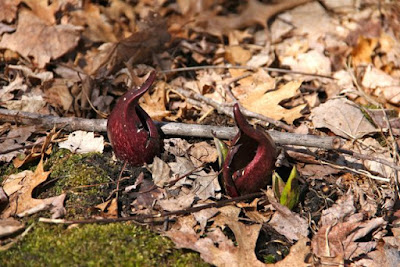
<point x="20" y="188"/>
<point x="384" y="84"/>
<point x="15" y="138"/>
<point x="10" y="226"/>
<point x="6" y="93"/>
<point x="98" y="27"/>
<point x="288" y="223"/>
<point x="343" y="118"/>
<point x="338" y="240"/>
<point x="155" y="104"/>
<point x="312" y="61"/>
<point x="254" y="13"/>
<point x="297" y="256"/>
<point x="43" y="9"/>
<point x="177" y="203"/>
<point x="176" y="146"/>
<point x="316" y="171"/>
<point x="8" y="10"/>
<point x="343" y="208"/>
<point x="225" y="212"/>
<point x="267" y="103"/>
<point x="383" y="255"/>
<point x="30" y="102"/>
<point x="59" y="95"/>
<point x="203" y="216"/>
<point x="216" y="248"/>
<point x="135" y="49"/>
<point x="236" y="54"/>
<point x="374" y="149"/>
<point x="375" y="78"/>
<point x="109" y="208"/>
<point x="313" y="27"/>
<point x="34" y="37"/>
<point x="362" y="53"/>
<point x="203" y="184"/>
<point x="201" y="153"/>
<point x="160" y="172"/>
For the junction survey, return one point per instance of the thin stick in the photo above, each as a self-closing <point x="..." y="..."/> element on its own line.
<point x="247" y="68"/>
<point x="143" y="217"/>
<point x="224" y="109"/>
<point x="168" y="129"/>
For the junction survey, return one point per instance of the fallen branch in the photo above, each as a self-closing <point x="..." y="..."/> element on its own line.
<point x="168" y="128"/>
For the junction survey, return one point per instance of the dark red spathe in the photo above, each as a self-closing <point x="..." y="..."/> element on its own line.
<point x="132" y="133"/>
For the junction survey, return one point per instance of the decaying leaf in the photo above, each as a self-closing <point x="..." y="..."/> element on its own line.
<point x="83" y="142"/>
<point x="288" y="223"/>
<point x="384" y="84"/>
<point x="383" y="255"/>
<point x="16" y="137"/>
<point x="135" y="49"/>
<point x="8" y="10"/>
<point x="109" y="209"/>
<point x="343" y="207"/>
<point x="160" y="172"/>
<point x="19" y="188"/>
<point x="343" y="118"/>
<point x="177" y="203"/>
<point x="312" y="61"/>
<point x="339" y="239"/>
<point x="10" y="226"/>
<point x="6" y="93"/>
<point x="201" y="153"/>
<point x="254" y="13"/>
<point x="155" y="104"/>
<point x="261" y="101"/>
<point x="31" y="30"/>
<point x="216" y="248"/>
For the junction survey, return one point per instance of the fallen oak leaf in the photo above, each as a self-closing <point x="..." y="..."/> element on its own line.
<point x="20" y="188"/>
<point x="216" y="248"/>
<point x="263" y="101"/>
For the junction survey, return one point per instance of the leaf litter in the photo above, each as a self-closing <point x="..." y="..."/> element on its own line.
<point x="77" y="61"/>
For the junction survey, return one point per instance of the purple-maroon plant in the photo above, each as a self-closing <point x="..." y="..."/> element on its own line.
<point x="133" y="135"/>
<point x="250" y="161"/>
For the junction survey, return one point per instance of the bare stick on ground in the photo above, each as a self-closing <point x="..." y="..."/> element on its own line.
<point x="168" y="128"/>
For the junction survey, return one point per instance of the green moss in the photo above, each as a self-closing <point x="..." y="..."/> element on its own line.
<point x="86" y="178"/>
<point x="119" y="244"/>
<point x="270" y="258"/>
<point x="6" y="170"/>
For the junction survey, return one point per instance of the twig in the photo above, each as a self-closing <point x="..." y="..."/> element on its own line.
<point x="143" y="217"/>
<point x="168" y="128"/>
<point x="173" y="182"/>
<point x="366" y="157"/>
<point x="339" y="166"/>
<point x="228" y="110"/>
<point x="247" y="68"/>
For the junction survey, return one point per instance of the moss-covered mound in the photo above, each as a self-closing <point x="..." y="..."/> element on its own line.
<point x="118" y="244"/>
<point x="88" y="179"/>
